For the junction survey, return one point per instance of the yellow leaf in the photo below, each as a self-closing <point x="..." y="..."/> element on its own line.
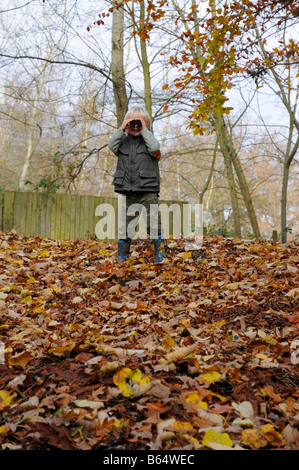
<point x="261" y="356"/>
<point x="38" y="310"/>
<point x="220" y="323"/>
<point x="215" y="437"/>
<point x="6" y="398"/>
<point x="130" y="382"/>
<point x="104" y="252"/>
<point x="232" y="285"/>
<point x="4" y="430"/>
<point x="218" y="396"/>
<point x="253" y="438"/>
<point x="30" y="279"/>
<point x="187" y="254"/>
<point x="272" y="435"/>
<point x="267" y="338"/>
<point x="19" y="359"/>
<point x="168" y="342"/>
<point x="183" y="426"/>
<point x="61" y="350"/>
<point x="136" y="375"/>
<point x="196" y="401"/>
<point x="44" y="254"/>
<point x="210" y="376"/>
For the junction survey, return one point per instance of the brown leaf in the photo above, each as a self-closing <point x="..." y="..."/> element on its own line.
<point x="181" y="352"/>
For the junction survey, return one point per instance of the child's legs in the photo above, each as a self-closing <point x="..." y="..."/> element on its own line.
<point x="153" y="217"/>
<point x="134" y="204"/>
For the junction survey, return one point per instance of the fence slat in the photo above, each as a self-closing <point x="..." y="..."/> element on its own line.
<point x="8" y="211"/>
<point x="1" y="209"/>
<point x="31" y="217"/>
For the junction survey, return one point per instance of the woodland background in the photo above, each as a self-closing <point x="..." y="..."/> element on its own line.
<point x="70" y="69"/>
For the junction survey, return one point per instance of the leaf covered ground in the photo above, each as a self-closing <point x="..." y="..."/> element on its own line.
<point x="199" y="352"/>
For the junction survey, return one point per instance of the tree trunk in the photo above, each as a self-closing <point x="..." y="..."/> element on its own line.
<point x="210" y="176"/>
<point x="117" y="64"/>
<point x="225" y="149"/>
<point x="31" y="143"/>
<point x="228" y="147"/>
<point x="289" y="156"/>
<point x="229" y="154"/>
<point x="145" y="67"/>
<point x="283" y="207"/>
<point x="84" y="140"/>
<point x="284" y="94"/>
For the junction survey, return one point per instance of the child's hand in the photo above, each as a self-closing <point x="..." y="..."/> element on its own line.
<point x="125" y="124"/>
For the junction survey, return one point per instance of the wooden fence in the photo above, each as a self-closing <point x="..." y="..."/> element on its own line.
<point x="63" y="216"/>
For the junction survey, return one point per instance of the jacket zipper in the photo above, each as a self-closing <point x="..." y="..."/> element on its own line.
<point x="131" y="166"/>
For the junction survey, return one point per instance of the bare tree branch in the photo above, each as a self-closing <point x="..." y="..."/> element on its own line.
<point x="17" y="8"/>
<point x="62" y="62"/>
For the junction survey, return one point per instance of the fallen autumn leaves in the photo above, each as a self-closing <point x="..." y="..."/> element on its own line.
<point x="199" y="352"/>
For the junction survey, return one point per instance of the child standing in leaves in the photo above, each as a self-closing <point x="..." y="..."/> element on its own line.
<point x="137" y="175"/>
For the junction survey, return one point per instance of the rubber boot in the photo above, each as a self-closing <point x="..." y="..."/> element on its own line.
<point x="123" y="250"/>
<point x="159" y="249"/>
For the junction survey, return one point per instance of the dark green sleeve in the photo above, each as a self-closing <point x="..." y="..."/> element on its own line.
<point x="114" y="141"/>
<point x="153" y="145"/>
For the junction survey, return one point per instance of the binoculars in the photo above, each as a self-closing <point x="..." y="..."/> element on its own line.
<point x="135" y="123"/>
